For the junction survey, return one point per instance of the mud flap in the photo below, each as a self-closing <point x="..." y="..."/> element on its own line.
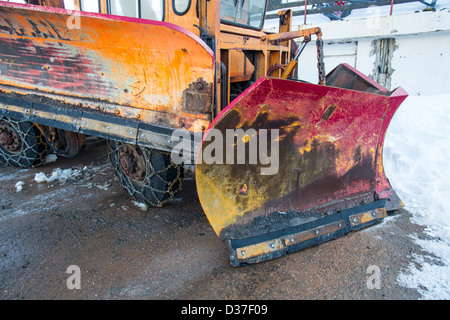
<point x="289" y="160"/>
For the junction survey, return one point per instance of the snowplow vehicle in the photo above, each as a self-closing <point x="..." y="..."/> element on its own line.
<point x="280" y="164"/>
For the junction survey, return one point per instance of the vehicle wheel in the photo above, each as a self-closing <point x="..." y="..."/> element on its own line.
<point x="148" y="175"/>
<point x="21" y="143"/>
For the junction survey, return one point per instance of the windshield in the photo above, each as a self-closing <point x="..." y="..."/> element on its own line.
<point x="147" y="9"/>
<point x="243" y="13"/>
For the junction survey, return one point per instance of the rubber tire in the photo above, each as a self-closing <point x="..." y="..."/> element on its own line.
<point x="161" y="185"/>
<point x="33" y="147"/>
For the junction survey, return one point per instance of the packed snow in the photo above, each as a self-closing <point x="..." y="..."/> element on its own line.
<point x="19" y="186"/>
<point x="77" y="173"/>
<point x="50" y="158"/>
<point x="141" y="205"/>
<point x="57" y="174"/>
<point x="416" y="161"/>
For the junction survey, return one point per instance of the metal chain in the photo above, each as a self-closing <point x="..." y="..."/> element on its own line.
<point x="28" y="155"/>
<point x="320" y="62"/>
<point x="171" y="177"/>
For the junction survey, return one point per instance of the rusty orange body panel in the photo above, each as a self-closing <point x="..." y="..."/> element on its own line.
<point x="131" y="67"/>
<point x="122" y="61"/>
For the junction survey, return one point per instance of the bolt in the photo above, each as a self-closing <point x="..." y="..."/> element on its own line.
<point x="243" y="253"/>
<point x="199" y="86"/>
<point x="272" y="245"/>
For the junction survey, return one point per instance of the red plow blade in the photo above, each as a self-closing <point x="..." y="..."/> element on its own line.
<point x="315" y="171"/>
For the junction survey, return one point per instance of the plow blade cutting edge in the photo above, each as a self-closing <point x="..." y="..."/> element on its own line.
<point x="289" y="164"/>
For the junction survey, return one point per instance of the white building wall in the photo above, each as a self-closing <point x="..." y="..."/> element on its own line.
<point x="420" y="61"/>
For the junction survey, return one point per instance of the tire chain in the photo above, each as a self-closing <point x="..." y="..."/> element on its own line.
<point x="24" y="161"/>
<point x="150" y="172"/>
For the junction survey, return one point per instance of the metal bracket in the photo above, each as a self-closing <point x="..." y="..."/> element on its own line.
<point x="278" y="243"/>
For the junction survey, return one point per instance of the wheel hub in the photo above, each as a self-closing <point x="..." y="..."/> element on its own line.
<point x="9" y="139"/>
<point x="128" y="163"/>
<point x="132" y="163"/>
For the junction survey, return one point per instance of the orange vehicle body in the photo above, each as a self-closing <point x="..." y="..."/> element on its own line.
<point x="128" y="67"/>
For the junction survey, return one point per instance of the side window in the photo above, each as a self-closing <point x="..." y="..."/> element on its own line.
<point x="152" y="9"/>
<point x="124" y="8"/>
<point x="244" y="13"/>
<point x="146" y="9"/>
<point x="181" y="7"/>
<point x="90" y="6"/>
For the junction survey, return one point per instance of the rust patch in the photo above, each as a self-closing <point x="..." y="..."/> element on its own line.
<point x="50" y="67"/>
<point x="198" y="97"/>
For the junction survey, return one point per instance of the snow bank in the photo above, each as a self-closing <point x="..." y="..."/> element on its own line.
<point x="416" y="161"/>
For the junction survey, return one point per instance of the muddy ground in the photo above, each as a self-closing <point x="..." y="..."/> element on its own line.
<point x="171" y="253"/>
